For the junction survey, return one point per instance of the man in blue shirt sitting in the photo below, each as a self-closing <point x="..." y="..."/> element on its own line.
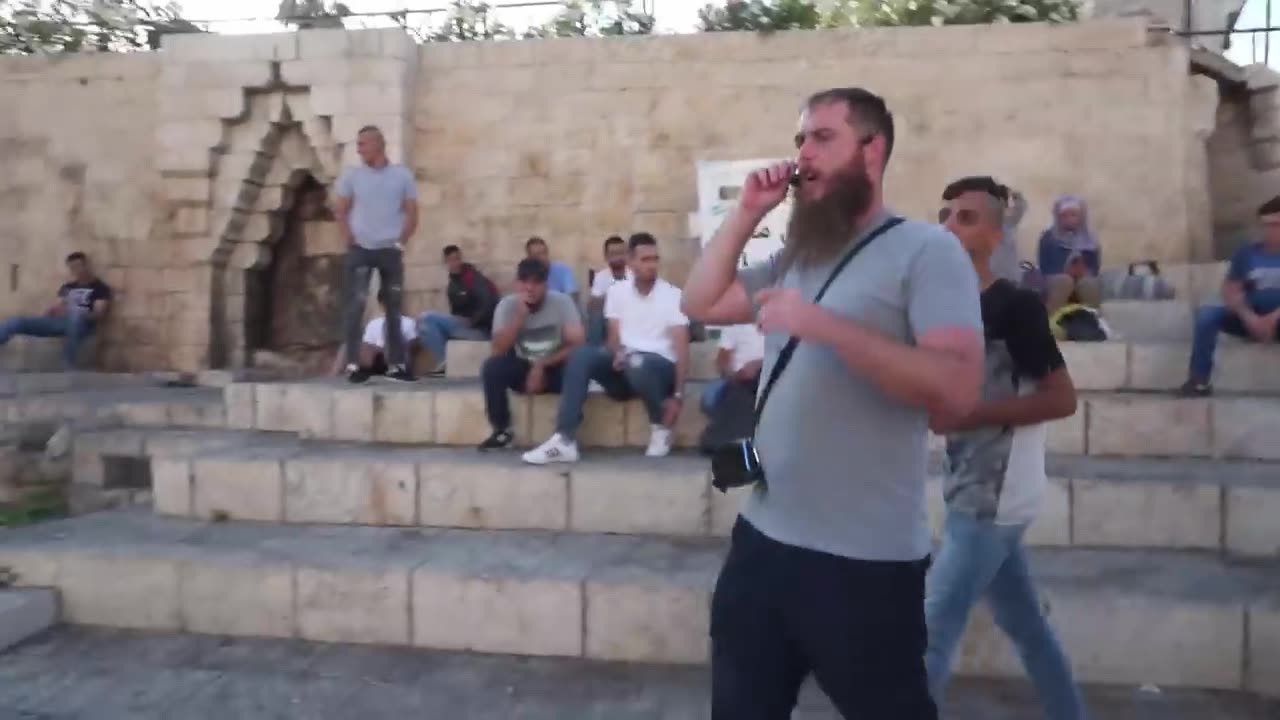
<point x="1250" y="297"/>
<point x="559" y="276"/>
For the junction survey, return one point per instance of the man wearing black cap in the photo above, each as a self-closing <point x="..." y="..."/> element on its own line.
<point x="534" y="331"/>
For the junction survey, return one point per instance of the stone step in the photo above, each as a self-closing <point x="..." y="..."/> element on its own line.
<point x="1153" y="366"/>
<point x="464" y="359"/>
<point x="1150" y="320"/>
<point x="451" y="412"/>
<point x="36" y="383"/>
<point x="1207" y="505"/>
<point x="1173" y="619"/>
<point x="24" y="353"/>
<point x="137" y="406"/>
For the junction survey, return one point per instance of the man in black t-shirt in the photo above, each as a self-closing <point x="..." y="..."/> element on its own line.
<point x="80" y="306"/>
<point x="995" y="474"/>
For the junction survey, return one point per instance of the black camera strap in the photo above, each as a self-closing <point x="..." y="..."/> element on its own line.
<point x="784" y="356"/>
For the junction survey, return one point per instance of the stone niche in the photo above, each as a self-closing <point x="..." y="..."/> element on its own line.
<point x="254" y="131"/>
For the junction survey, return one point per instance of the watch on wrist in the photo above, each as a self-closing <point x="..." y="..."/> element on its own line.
<point x="678" y="395"/>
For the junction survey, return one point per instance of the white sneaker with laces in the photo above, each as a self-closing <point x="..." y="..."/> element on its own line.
<point x="555" y="450"/>
<point x="660" y="438"/>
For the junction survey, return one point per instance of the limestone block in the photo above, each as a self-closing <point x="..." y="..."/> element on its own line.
<point x="1252" y="529"/>
<point x="702" y="361"/>
<point x="499" y="497"/>
<point x="353" y="605"/>
<point x="660" y="497"/>
<point x="1242" y="428"/>
<point x="248" y="598"/>
<point x="1262" y="666"/>
<point x="1159" y="366"/>
<point x="1246" y="368"/>
<point x="93" y="594"/>
<point x="142" y="414"/>
<point x="648" y="623"/>
<point x="1067" y="436"/>
<point x="465" y="357"/>
<point x="1155" y="426"/>
<point x="25" y="613"/>
<point x="403" y="416"/>
<point x="523" y="616"/>
<point x="1052" y="527"/>
<point x="187" y="190"/>
<point x="295" y="407"/>
<point x="328" y="100"/>
<point x="1147" y="514"/>
<point x="460" y="417"/>
<point x="203" y="133"/>
<point x="191" y="221"/>
<point x="171" y="486"/>
<point x="1096" y="366"/>
<point x="222" y="49"/>
<point x="91" y="447"/>
<point x="251" y="255"/>
<point x="1149" y="320"/>
<point x="239" y="489"/>
<point x="725" y="508"/>
<point x="358" y="490"/>
<point x="322" y="237"/>
<point x="1136" y="640"/>
<point x="353" y="414"/>
<point x="239" y="399"/>
<point x="604" y="420"/>
<point x="198" y="414"/>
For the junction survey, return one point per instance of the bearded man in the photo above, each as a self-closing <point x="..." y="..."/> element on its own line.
<point x="827" y="566"/>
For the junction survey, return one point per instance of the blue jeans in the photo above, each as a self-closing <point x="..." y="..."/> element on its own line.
<point x="75" y="327"/>
<point x="711" y="395"/>
<point x="597" y="327"/>
<point x="1211" y="320"/>
<point x="648" y="376"/>
<point x="437" y="329"/>
<point x="980" y="558"/>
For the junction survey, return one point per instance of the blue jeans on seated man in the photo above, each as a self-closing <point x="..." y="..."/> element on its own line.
<point x="711" y="395"/>
<point x="437" y="329"/>
<point x="501" y="373"/>
<point x="647" y="376"/>
<point x="981" y="559"/>
<point x="74" y="327"/>
<point x="1211" y="320"/>
<point x="597" y="327"/>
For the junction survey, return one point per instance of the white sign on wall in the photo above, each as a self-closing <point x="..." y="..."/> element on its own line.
<point x="719" y="185"/>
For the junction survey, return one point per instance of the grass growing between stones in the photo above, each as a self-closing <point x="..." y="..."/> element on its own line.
<point x="46" y="504"/>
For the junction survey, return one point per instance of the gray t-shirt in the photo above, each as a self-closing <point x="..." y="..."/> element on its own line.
<point x="543" y="330"/>
<point x="377" y="198"/>
<point x="845" y="463"/>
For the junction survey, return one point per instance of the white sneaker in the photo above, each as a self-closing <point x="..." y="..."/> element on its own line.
<point x="555" y="450"/>
<point x="659" y="441"/>
<point x="594" y="387"/>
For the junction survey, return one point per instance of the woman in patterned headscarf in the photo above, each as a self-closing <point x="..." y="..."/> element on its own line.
<point x="1070" y="256"/>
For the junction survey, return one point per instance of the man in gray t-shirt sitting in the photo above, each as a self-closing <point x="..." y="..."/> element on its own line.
<point x="534" y="331"/>
<point x="826" y="570"/>
<point x="377" y="211"/>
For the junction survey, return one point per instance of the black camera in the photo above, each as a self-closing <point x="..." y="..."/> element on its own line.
<point x="736" y="464"/>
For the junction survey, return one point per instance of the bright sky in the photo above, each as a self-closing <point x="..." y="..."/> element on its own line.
<point x="672" y="16"/>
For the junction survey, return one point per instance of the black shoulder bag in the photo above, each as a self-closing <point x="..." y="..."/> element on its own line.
<point x="737" y="463"/>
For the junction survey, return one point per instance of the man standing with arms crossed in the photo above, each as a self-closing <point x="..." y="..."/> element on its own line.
<point x="826" y="571"/>
<point x="377" y="209"/>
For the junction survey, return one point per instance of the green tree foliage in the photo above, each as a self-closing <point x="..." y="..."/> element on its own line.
<point x="961" y="12"/>
<point x="760" y="16"/>
<point x="311" y="14"/>
<point x="596" y="18"/>
<point x="29" y="27"/>
<point x="470" y="20"/>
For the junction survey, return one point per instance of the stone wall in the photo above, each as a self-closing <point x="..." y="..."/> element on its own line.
<point x="178" y="170"/>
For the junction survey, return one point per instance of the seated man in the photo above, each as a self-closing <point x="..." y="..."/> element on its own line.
<point x="81" y="305"/>
<point x="647" y="355"/>
<point x="740" y="357"/>
<point x="534" y="331"/>
<point x="1251" y="302"/>
<point x="372" y="357"/>
<point x="614" y="271"/>
<point x="559" y="276"/>
<point x="472" y="298"/>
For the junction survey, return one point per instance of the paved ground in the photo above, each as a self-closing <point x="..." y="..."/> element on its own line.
<point x="112" y="675"/>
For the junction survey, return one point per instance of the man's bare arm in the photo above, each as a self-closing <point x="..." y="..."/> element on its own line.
<point x="613" y="335"/>
<point x="1233" y="296"/>
<point x="723" y="356"/>
<point x="342" y="213"/>
<point x="941" y="373"/>
<point x="713" y="294"/>
<point x="1053" y="399"/>
<point x="680" y="343"/>
<point x="99" y="309"/>
<point x="410" y="220"/>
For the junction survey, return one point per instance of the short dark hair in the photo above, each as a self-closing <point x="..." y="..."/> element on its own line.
<point x="531" y="269"/>
<point x="640" y="239"/>
<point x="867" y="111"/>
<point x="976" y="183"/>
<point x="370" y="129"/>
<point x="1270" y="207"/>
<point x="535" y="240"/>
<point x="451" y="250"/>
<point x="77" y="255"/>
<point x="613" y="240"/>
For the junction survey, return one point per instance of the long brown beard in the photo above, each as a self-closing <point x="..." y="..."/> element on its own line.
<point x="819" y="228"/>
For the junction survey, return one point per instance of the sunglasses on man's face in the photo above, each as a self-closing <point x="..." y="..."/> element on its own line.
<point x="964" y="216"/>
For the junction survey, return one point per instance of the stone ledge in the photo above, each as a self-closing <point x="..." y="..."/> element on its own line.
<point x="24" y="613"/>
<point x="1125" y="617"/>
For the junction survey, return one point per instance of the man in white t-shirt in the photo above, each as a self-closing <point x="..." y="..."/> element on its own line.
<point x="372" y="354"/>
<point x="614" y="271"/>
<point x="740" y="357"/>
<point x="646" y="356"/>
